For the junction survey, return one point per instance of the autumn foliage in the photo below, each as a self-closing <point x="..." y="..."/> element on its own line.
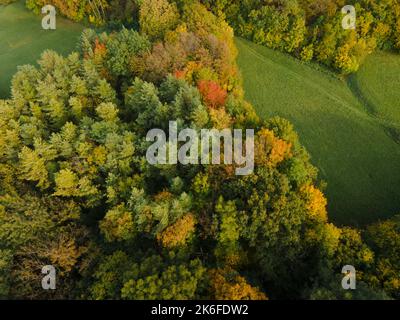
<point x="226" y="284"/>
<point x="214" y="96"/>
<point x="77" y="191"/>
<point x="270" y="149"/>
<point x="315" y="202"/>
<point x="177" y="233"/>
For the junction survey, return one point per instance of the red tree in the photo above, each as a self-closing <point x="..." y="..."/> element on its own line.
<point x="214" y="96"/>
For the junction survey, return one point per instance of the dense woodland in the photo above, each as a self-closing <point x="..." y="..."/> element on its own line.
<point x="312" y="29"/>
<point x="77" y="192"/>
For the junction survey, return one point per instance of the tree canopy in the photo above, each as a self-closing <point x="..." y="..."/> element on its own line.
<point x="77" y="192"/>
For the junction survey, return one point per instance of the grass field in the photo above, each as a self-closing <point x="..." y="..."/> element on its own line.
<point x="22" y="40"/>
<point x="378" y="82"/>
<point x="346" y="126"/>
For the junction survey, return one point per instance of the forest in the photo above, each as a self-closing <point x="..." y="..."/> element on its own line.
<point x="77" y="193"/>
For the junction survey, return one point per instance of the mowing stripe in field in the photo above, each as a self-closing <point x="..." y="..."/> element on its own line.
<point x="352" y="148"/>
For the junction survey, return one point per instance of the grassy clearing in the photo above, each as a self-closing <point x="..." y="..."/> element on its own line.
<point x="351" y="147"/>
<point x="378" y="84"/>
<point x="22" y="40"/>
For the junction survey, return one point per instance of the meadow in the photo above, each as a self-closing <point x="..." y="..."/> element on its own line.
<point x="377" y="83"/>
<point x="23" y="40"/>
<point x="349" y="126"/>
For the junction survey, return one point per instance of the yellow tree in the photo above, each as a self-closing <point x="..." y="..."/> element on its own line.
<point x="156" y="17"/>
<point x="227" y="284"/>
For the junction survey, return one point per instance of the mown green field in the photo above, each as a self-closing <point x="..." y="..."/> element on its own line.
<point x="349" y="128"/>
<point x="378" y="83"/>
<point x="22" y="40"/>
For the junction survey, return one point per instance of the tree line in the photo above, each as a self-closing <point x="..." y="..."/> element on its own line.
<point x="312" y="29"/>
